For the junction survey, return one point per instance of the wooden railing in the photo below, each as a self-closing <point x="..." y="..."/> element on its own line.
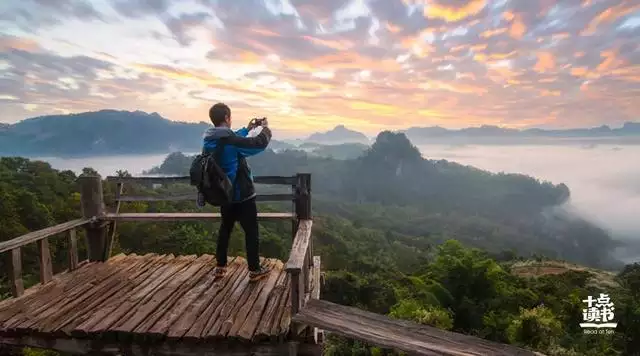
<point x="100" y="227"/>
<point x="41" y="237"/>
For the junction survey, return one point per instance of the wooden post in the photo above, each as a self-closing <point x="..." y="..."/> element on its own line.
<point x="92" y="204"/>
<point x="15" y="273"/>
<point x="72" y="250"/>
<point x="303" y="211"/>
<point x="46" y="269"/>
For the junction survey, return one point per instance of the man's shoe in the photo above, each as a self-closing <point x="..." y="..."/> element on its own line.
<point x="220" y="272"/>
<point x="259" y="274"/>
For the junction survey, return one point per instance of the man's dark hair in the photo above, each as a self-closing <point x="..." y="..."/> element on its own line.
<point x="218" y="113"/>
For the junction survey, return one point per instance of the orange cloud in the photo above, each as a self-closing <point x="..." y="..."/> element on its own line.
<point x="492" y="32"/>
<point x="24" y="44"/>
<point x="518" y="29"/>
<point x="451" y="14"/>
<point x="546" y="62"/>
<point x="609" y="15"/>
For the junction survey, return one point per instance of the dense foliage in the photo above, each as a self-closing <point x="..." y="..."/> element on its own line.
<point x="389" y="246"/>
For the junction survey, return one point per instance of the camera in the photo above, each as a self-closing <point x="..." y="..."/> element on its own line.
<point x="258" y="121"/>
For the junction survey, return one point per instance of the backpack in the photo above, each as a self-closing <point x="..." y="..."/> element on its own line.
<point x="210" y="179"/>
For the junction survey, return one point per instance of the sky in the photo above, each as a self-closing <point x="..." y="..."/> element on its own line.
<point x="311" y="65"/>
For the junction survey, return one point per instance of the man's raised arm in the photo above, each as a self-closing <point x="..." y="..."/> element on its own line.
<point x="250" y="146"/>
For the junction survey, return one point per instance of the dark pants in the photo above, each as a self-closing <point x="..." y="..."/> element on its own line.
<point x="246" y="213"/>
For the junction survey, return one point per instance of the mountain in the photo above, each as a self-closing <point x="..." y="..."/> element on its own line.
<point x="495" y="134"/>
<point x="398" y="190"/>
<point x="339" y="134"/>
<point x="105" y="132"/>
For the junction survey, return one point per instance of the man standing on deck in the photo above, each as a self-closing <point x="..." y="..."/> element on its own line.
<point x="243" y="206"/>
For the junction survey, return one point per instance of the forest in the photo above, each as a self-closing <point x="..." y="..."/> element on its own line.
<point x="429" y="241"/>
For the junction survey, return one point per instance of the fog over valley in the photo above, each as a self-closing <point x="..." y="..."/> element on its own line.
<point x="603" y="179"/>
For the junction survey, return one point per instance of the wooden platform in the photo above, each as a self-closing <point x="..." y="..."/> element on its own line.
<point x="153" y="298"/>
<point x="409" y="337"/>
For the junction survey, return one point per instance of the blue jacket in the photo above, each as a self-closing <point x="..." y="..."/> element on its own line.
<point x="237" y="148"/>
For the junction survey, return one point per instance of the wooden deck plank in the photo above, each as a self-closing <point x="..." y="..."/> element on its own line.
<point x="34" y="303"/>
<point x="142" y="303"/>
<point x="235" y="300"/>
<point x="241" y="310"/>
<point x="272" y="311"/>
<point x="103" y="311"/>
<point x="130" y="300"/>
<point x="222" y="301"/>
<point x="400" y="335"/>
<point x="185" y="305"/>
<point x="165" y="298"/>
<point x="84" y="303"/>
<point x="48" y="314"/>
<point x="193" y="320"/>
<point x="126" y="283"/>
<point x="253" y="315"/>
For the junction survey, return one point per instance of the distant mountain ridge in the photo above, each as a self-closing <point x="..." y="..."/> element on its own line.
<point x="629" y="129"/>
<point x="339" y="134"/>
<point x="104" y="132"/>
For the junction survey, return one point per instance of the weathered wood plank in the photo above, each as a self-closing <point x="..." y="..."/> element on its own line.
<point x="185" y="216"/>
<point x="400" y="335"/>
<point x="220" y="303"/>
<point x="121" y="282"/>
<point x="40" y="234"/>
<point x="129" y="314"/>
<point x="190" y="302"/>
<point x="164" y="299"/>
<point x="107" y="309"/>
<point x="15" y="272"/>
<point x="192" y="197"/>
<point x="300" y="246"/>
<point x="72" y="249"/>
<point x="69" y="310"/>
<point x="55" y="308"/>
<point x="241" y="313"/>
<point x="237" y="298"/>
<point x="195" y="318"/>
<point x="275" y="180"/>
<point x="253" y="316"/>
<point x="27" y="314"/>
<point x="273" y="310"/>
<point x="46" y="268"/>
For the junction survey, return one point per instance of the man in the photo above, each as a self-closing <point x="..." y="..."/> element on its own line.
<point x="243" y="207"/>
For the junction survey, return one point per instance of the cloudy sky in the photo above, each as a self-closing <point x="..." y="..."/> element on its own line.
<point x="312" y="64"/>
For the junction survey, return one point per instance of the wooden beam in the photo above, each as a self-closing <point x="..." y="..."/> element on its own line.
<point x="275" y="180"/>
<point x="415" y="339"/>
<point x="72" y="243"/>
<point x="161" y="348"/>
<point x="300" y="246"/>
<point x="187" y="197"/>
<point x="15" y="272"/>
<point x="186" y="216"/>
<point x="46" y="269"/>
<point x="40" y="234"/>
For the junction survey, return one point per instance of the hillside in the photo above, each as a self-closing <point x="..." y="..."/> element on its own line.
<point x="339" y="134"/>
<point x="105" y="132"/>
<point x="392" y="188"/>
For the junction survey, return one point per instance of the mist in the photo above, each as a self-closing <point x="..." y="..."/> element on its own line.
<point x="604" y="180"/>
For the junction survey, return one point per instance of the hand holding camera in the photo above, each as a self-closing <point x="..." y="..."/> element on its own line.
<point x="255" y="122"/>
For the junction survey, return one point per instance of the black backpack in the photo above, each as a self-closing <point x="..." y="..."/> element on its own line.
<point x="210" y="179"/>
